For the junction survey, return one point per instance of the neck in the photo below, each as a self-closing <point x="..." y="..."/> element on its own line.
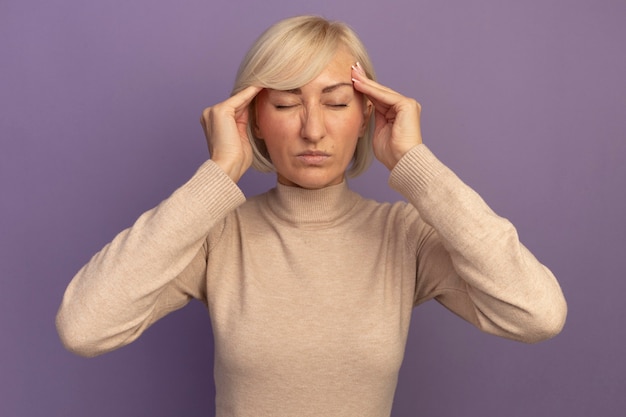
<point x="301" y="206"/>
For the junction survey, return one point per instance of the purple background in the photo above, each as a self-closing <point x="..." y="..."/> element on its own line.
<point x="99" y="108"/>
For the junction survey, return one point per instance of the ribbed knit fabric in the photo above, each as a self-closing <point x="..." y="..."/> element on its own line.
<point x="310" y="293"/>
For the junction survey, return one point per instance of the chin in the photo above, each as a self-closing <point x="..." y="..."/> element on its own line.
<point x="310" y="182"/>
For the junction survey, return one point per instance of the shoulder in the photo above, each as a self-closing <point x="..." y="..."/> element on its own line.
<point x="384" y="209"/>
<point x="397" y="216"/>
<point x="251" y="211"/>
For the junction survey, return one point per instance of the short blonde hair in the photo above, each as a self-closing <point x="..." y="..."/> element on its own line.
<point x="290" y="54"/>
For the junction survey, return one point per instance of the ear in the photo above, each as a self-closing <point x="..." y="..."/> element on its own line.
<point x="253" y="121"/>
<point x="255" y="129"/>
<point x="367" y="112"/>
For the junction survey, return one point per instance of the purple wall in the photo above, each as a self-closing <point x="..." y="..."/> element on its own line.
<point x="99" y="107"/>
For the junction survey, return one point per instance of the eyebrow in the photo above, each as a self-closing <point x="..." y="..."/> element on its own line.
<point x="325" y="90"/>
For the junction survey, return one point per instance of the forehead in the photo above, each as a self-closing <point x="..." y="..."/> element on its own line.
<point x="339" y="67"/>
<point x="336" y="76"/>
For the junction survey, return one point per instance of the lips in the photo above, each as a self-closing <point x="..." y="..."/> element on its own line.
<point x="313" y="157"/>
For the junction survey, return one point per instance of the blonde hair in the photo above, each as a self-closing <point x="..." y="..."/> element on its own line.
<point x="290" y="54"/>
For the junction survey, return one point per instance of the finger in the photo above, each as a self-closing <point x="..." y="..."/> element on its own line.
<point x="234" y="106"/>
<point x="359" y="74"/>
<point x="381" y="96"/>
<point x="204" y="125"/>
<point x="243" y="98"/>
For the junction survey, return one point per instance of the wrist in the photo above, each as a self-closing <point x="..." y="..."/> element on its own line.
<point x="396" y="156"/>
<point x="231" y="168"/>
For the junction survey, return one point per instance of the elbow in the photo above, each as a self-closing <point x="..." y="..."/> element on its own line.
<point x="74" y="338"/>
<point x="548" y="322"/>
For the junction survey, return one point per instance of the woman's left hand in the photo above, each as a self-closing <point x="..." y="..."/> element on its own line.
<point x="397" y="119"/>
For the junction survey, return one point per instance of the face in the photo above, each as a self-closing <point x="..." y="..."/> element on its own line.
<point x="311" y="132"/>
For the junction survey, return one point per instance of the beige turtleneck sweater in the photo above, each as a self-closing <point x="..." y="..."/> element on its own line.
<point x="310" y="293"/>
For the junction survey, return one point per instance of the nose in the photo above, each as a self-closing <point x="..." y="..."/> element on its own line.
<point x="313" y="127"/>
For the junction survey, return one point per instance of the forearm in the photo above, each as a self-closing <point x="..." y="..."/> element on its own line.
<point x="497" y="284"/>
<point x="128" y="284"/>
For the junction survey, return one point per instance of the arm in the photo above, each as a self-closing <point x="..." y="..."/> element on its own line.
<point x="148" y="270"/>
<point x="159" y="263"/>
<point x="472" y="262"/>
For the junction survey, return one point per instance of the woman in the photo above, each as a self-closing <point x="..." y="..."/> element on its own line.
<point x="309" y="286"/>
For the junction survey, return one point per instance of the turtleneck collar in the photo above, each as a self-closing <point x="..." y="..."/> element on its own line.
<point x="312" y="208"/>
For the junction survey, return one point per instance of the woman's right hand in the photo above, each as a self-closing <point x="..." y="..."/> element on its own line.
<point x="225" y="127"/>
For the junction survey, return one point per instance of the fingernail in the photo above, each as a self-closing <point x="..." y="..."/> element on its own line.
<point x="360" y="68"/>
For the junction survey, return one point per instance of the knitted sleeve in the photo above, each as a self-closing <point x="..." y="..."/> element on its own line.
<point x="472" y="261"/>
<point x="149" y="269"/>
